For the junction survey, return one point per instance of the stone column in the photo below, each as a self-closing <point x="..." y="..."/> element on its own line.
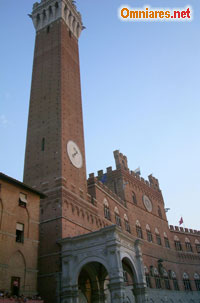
<point x="139" y="292"/>
<point x="70" y="295"/>
<point x="117" y="292"/>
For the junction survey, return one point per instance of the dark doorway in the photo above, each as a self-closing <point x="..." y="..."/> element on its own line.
<point x="15" y="286"/>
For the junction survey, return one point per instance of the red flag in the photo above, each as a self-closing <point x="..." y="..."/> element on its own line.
<point x="181" y="221"/>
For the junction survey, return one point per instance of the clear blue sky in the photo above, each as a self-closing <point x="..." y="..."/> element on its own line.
<point x="140" y="91"/>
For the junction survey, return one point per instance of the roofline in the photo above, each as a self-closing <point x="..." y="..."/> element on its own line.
<point x="21" y="184"/>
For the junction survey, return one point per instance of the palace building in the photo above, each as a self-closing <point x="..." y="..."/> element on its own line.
<point x="105" y="239"/>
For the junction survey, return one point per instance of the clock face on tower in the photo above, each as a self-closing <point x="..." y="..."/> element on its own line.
<point x="74" y="154"/>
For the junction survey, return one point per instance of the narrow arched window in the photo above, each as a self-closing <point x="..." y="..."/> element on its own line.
<point x="149" y="234"/>
<point x="197" y="281"/>
<point x="134" y="198"/>
<point x="139" y="230"/>
<point x="159" y="212"/>
<point x="106" y="209"/>
<point x="186" y="282"/>
<point x="43" y="144"/>
<point x="188" y="245"/>
<point x="126" y="223"/>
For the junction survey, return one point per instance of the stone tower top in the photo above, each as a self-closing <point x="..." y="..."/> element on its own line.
<point x="48" y="11"/>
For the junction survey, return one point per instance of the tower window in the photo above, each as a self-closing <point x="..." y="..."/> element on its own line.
<point x="70" y="34"/>
<point x="159" y="212"/>
<point x="43" y="144"/>
<point x="134" y="198"/>
<point x="48" y="29"/>
<point x="20" y="233"/>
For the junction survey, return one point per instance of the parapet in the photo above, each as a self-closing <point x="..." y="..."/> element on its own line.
<point x="184" y="230"/>
<point x="153" y="181"/>
<point x="48" y="11"/>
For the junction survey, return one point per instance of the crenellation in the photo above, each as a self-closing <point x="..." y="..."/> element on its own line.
<point x="46" y="12"/>
<point x="109" y="170"/>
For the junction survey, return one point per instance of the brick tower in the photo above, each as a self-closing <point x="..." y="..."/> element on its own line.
<point x="55" y="153"/>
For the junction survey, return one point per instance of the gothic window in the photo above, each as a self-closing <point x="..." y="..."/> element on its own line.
<point x="166" y="279"/>
<point x="174" y="280"/>
<point x="139" y="230"/>
<point x="188" y="245"/>
<point x="197" y="281"/>
<point x="134" y="198"/>
<point x="20" y="233"/>
<point x="106" y="209"/>
<point x="127" y="225"/>
<point x="197" y="243"/>
<point x="186" y="282"/>
<point x="159" y="212"/>
<point x="117" y="217"/>
<point x="22" y="200"/>
<point x="158" y="238"/>
<point x="148" y="278"/>
<point x="149" y="234"/>
<point x="157" y="278"/>
<point x="166" y="240"/>
<point x="177" y="243"/>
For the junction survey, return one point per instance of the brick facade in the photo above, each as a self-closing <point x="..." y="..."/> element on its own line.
<point x="18" y="253"/>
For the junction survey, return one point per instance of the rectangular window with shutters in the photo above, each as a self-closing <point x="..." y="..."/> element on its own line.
<point x="20" y="233"/>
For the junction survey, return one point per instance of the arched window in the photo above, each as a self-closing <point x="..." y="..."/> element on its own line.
<point x="158" y="238"/>
<point x="157" y="278"/>
<point x="134" y="198"/>
<point x="188" y="245"/>
<point x="117" y="217"/>
<point x="186" y="282"/>
<point x="106" y="209"/>
<point x="139" y="230"/>
<point x="159" y="212"/>
<point x="148" y="278"/>
<point x="174" y="279"/>
<point x="197" y="281"/>
<point x="177" y="243"/>
<point x="149" y="234"/>
<point x="166" y="240"/>
<point x="166" y="279"/>
<point x="127" y="225"/>
<point x="197" y="243"/>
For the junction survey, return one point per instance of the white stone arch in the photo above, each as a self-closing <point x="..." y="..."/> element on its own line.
<point x="185" y="276"/>
<point x="196" y="276"/>
<point x="148" y="227"/>
<point x="176" y="238"/>
<point x="85" y="261"/>
<point x="197" y="241"/>
<point x="138" y="223"/>
<point x="131" y="262"/>
<point x="125" y="217"/>
<point x="157" y="231"/>
<point x="116" y="210"/>
<point x="187" y="240"/>
<point x="105" y="202"/>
